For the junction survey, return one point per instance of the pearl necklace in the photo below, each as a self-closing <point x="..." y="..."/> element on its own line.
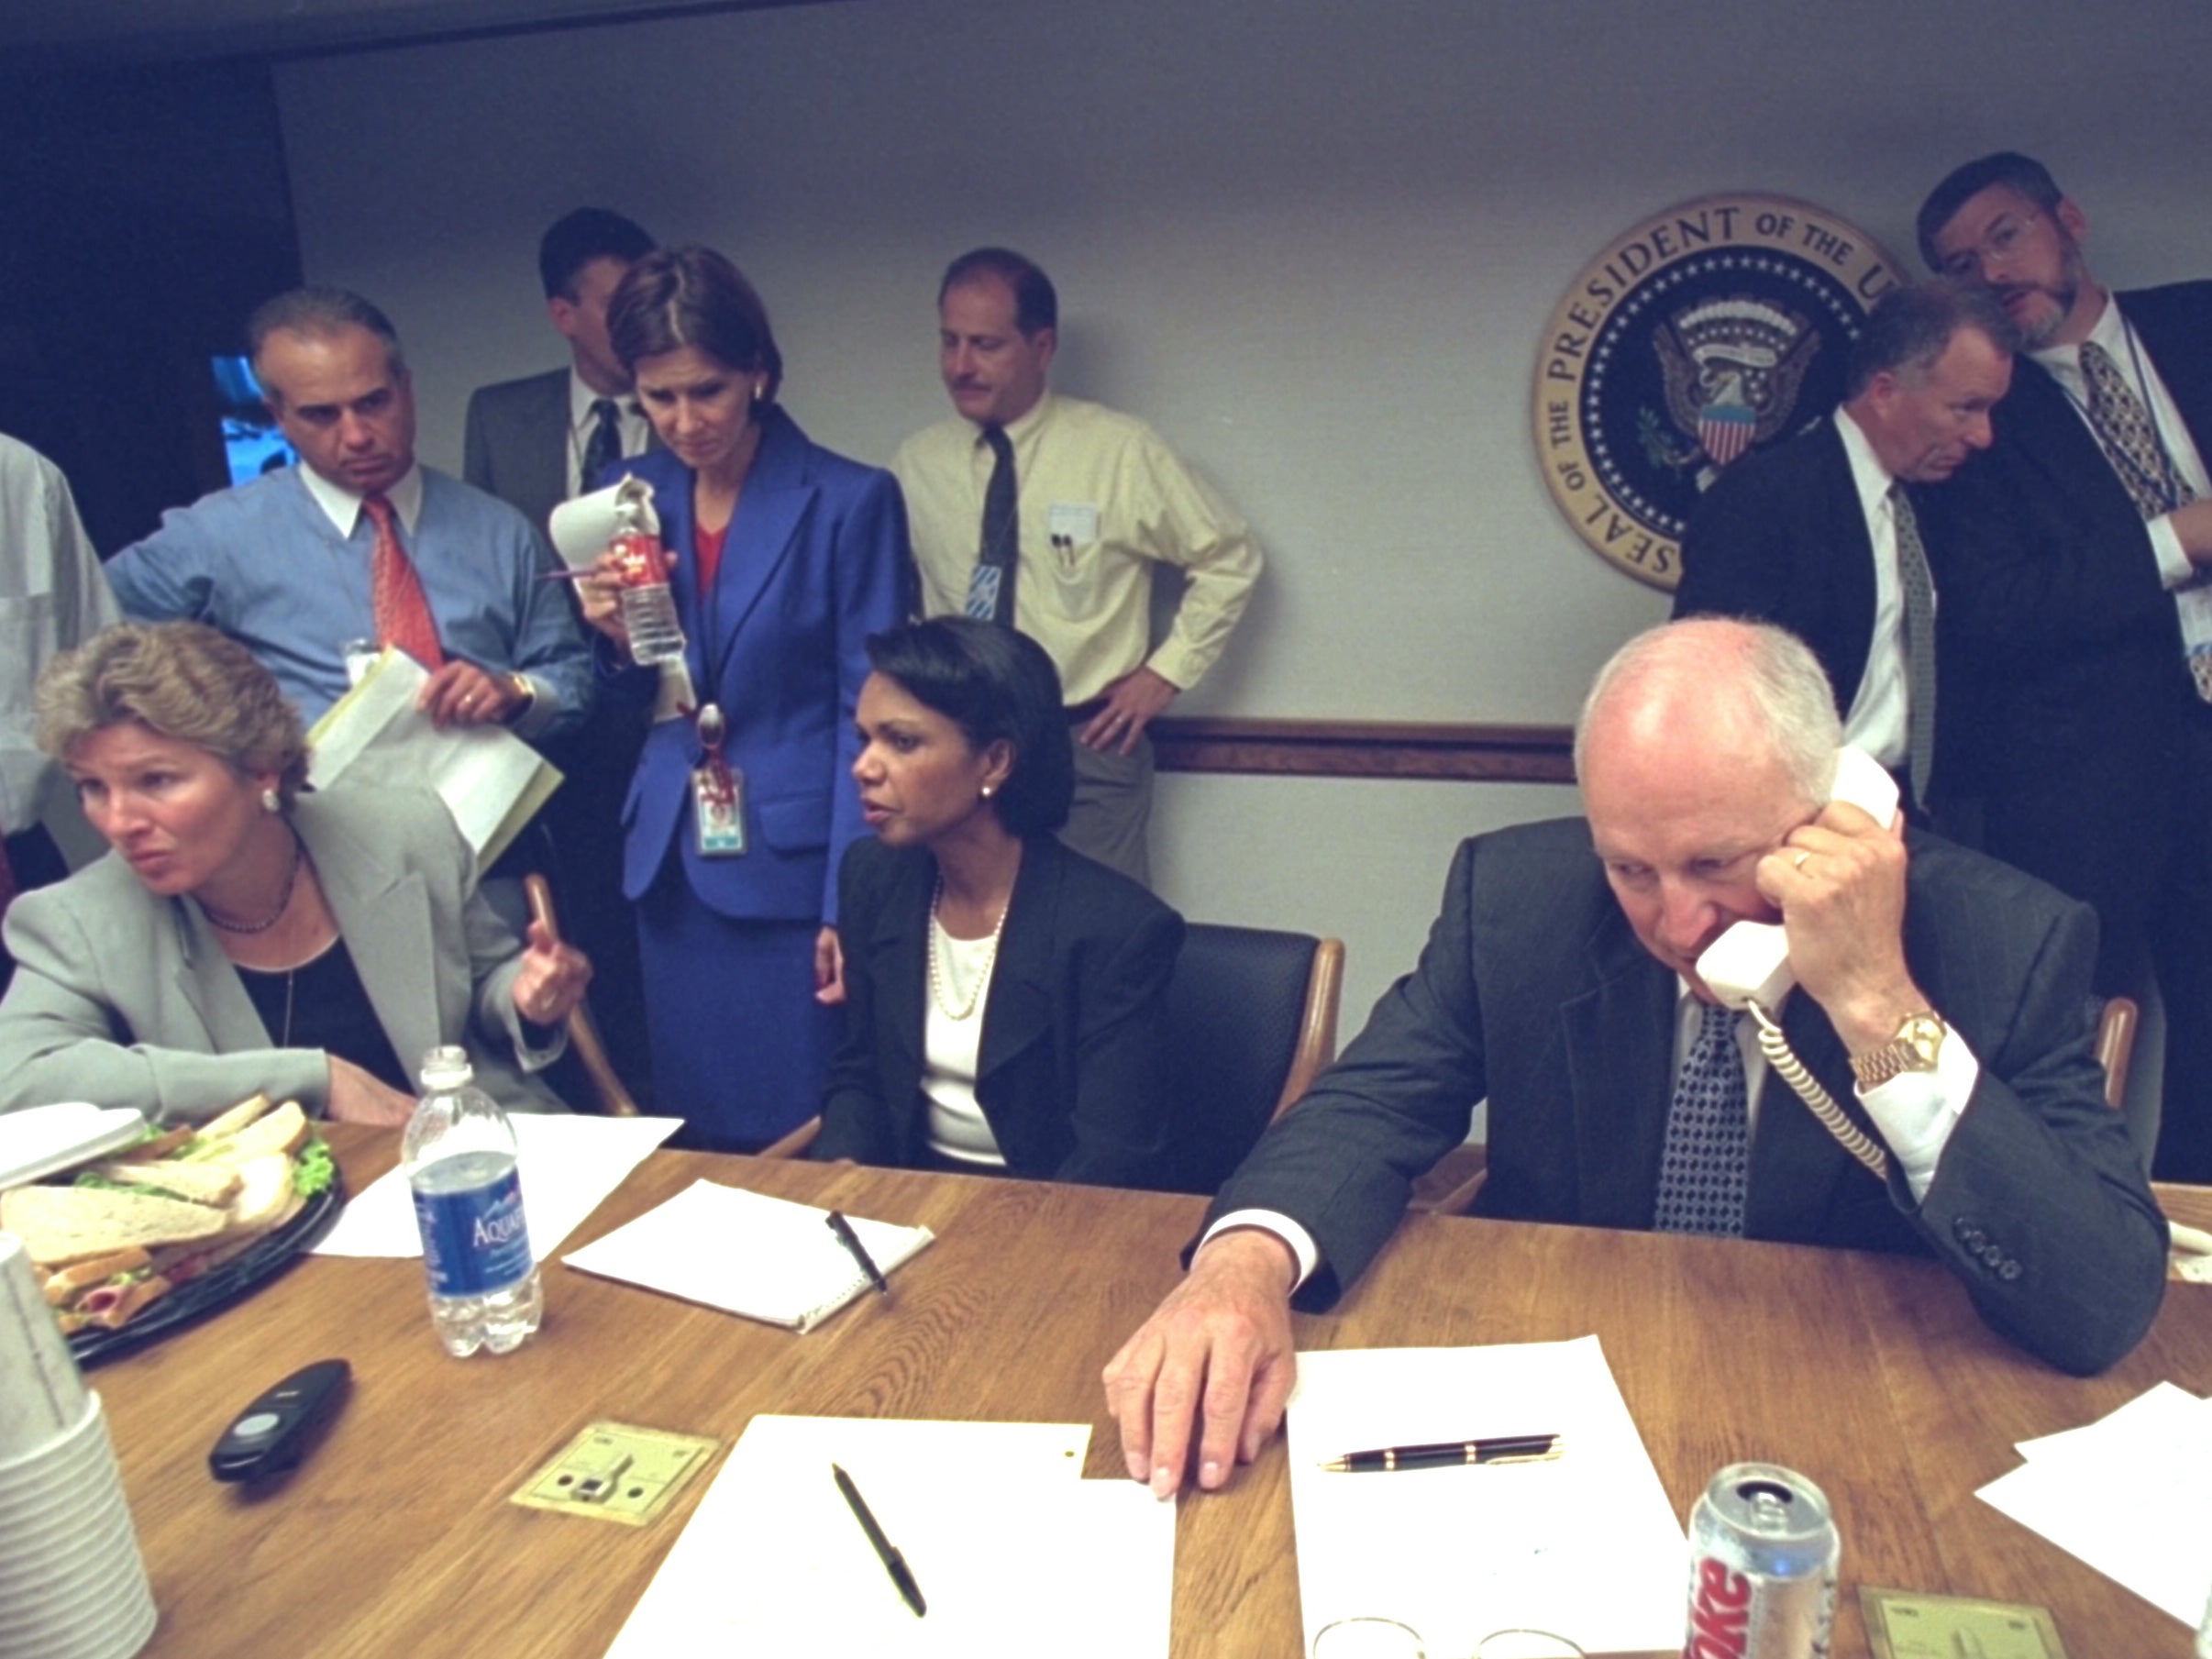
<point x="938" y="978"/>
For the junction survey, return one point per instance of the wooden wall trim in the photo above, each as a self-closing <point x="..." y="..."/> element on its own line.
<point x="1358" y="748"/>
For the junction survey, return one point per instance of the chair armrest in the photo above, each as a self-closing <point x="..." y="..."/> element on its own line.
<point x="794" y="1145"/>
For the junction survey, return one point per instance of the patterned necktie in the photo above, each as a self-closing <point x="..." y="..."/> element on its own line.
<point x="7" y="881"/>
<point x="1920" y="642"/>
<point x="990" y="590"/>
<point x="604" y="448"/>
<point x="395" y="592"/>
<point x="2130" y="441"/>
<point x="1705" y="1166"/>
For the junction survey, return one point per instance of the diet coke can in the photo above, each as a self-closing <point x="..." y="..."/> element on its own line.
<point x="1762" y="1568"/>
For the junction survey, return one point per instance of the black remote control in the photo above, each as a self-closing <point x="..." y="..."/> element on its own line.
<point x="271" y="1435"/>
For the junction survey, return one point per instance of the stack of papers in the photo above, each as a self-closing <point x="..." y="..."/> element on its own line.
<point x="1586" y="1547"/>
<point x="491" y="780"/>
<point x="569" y="1164"/>
<point x="767" y="1258"/>
<point x="1015" y="1553"/>
<point x="2130" y="1495"/>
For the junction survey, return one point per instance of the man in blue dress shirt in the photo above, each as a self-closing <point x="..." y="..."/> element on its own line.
<point x="286" y="564"/>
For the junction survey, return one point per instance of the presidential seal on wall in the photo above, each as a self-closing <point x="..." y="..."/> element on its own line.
<point x="1706" y="332"/>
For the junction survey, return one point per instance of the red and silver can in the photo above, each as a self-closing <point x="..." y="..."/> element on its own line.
<point x="1764" y="1550"/>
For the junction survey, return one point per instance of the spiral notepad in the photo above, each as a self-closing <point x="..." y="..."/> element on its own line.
<point x="767" y="1258"/>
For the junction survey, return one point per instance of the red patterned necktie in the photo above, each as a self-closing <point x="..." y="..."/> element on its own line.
<point x="395" y="593"/>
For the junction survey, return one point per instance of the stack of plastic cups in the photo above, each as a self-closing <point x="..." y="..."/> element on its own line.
<point x="72" y="1584"/>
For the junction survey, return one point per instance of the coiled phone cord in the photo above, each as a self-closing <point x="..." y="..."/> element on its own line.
<point x="1852" y="1138"/>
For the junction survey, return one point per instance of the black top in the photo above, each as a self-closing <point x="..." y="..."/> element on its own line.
<point x="322" y="1004"/>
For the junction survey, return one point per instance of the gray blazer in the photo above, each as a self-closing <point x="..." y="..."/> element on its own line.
<point x="124" y="998"/>
<point x="516" y="445"/>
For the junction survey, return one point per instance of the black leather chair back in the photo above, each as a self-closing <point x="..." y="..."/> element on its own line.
<point x="1235" y="1007"/>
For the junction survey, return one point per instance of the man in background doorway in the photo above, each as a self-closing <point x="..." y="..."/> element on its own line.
<point x="537" y="441"/>
<point x="1048" y="515"/>
<point x="534" y="443"/>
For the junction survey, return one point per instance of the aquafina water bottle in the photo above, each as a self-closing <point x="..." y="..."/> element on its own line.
<point x="459" y="1155"/>
<point x="649" y="605"/>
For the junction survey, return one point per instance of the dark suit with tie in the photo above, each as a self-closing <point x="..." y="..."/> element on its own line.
<point x="517" y="448"/>
<point x="2094" y="751"/>
<point x="1071" y="1070"/>
<point x="1535" y="992"/>
<point x="814" y="563"/>
<point x="1782" y="536"/>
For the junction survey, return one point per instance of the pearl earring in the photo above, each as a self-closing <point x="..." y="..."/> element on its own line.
<point x="986" y="792"/>
<point x="272" y="802"/>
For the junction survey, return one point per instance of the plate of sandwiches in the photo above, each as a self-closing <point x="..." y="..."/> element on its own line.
<point x="135" y="1240"/>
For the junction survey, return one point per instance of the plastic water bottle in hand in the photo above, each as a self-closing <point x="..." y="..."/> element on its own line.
<point x="649" y="604"/>
<point x="459" y="1155"/>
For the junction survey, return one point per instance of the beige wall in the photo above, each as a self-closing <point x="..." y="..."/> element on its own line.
<point x="1314" y="243"/>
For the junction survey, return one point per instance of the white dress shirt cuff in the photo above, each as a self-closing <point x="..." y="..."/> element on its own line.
<point x="2173" y="563"/>
<point x="1299" y="1240"/>
<point x="1917" y="1110"/>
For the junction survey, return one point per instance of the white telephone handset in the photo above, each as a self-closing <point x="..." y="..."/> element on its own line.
<point x="1748" y="967"/>
<point x="1750" y="962"/>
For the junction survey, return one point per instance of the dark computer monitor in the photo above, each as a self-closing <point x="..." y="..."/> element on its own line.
<point x="251" y="443"/>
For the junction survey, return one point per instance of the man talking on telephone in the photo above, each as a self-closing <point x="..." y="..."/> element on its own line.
<point x="1943" y="999"/>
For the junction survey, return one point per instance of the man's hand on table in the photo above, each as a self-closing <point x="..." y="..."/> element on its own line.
<point x="1219" y="1340"/>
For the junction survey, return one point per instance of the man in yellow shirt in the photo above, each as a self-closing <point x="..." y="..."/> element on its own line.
<point x="1048" y="514"/>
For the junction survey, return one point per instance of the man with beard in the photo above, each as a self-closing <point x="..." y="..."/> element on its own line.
<point x="2073" y="558"/>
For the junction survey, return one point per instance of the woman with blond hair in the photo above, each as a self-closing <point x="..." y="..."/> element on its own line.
<point x="245" y="936"/>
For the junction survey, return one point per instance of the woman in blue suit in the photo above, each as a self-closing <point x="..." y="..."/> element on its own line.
<point x="784" y="558"/>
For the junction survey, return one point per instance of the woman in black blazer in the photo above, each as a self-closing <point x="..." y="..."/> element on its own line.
<point x="1004" y="995"/>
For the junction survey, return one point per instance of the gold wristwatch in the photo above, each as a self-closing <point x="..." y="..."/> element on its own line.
<point x="527" y="693"/>
<point x="1919" y="1040"/>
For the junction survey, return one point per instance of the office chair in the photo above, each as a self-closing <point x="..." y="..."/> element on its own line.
<point x="1251" y="1020"/>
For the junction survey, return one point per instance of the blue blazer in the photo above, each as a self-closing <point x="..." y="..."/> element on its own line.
<point x="814" y="564"/>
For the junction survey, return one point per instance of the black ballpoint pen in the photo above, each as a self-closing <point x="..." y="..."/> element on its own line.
<point x="1508" y="1448"/>
<point x="893" y="1563"/>
<point x="851" y="1240"/>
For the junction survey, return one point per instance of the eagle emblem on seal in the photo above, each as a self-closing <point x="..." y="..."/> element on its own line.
<point x="1733" y="368"/>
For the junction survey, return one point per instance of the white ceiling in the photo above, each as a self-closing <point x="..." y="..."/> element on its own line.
<point x="156" y="31"/>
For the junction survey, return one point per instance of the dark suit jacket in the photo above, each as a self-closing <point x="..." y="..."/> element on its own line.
<point x="1072" y="1077"/>
<point x="2053" y="595"/>
<point x="1533" y="991"/>
<point x="517" y="443"/>
<point x="814" y="564"/>
<point x="1782" y="536"/>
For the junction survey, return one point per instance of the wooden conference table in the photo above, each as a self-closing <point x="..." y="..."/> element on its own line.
<point x="1870" y="1374"/>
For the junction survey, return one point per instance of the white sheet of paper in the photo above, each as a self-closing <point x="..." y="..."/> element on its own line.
<point x="1009" y="1545"/>
<point x="582" y="526"/>
<point x="2129" y="1495"/>
<point x="1586" y="1547"/>
<point x="2151" y="1421"/>
<point x="569" y="1165"/>
<point x="767" y="1258"/>
<point x="375" y="734"/>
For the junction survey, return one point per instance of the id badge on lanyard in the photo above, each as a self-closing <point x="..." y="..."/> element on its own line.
<point x="717" y="791"/>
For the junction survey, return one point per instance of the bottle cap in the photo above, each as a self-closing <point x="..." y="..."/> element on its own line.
<point x="446" y="1067"/>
